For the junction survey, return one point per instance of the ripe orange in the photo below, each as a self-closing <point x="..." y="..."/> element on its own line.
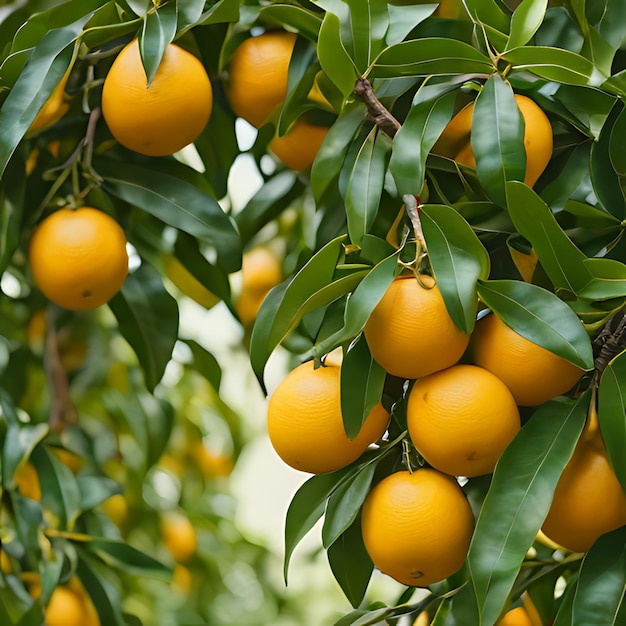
<point x="410" y="333"/>
<point x="179" y="536"/>
<point x="305" y="423"/>
<point x="533" y="374"/>
<point x="27" y="480"/>
<point x="461" y="419"/>
<point x="299" y="147"/>
<point x="516" y="617"/>
<point x="260" y="271"/>
<point x="78" y="258"/>
<point x="69" y="607"/>
<point x="417" y="526"/>
<point x="167" y="115"/>
<point x="588" y="500"/>
<point x="258" y="75"/>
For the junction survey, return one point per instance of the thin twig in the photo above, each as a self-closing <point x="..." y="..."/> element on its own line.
<point x="376" y="112"/>
<point x="609" y="342"/>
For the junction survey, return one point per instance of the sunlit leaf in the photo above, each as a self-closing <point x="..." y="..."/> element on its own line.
<point x="525" y="21"/>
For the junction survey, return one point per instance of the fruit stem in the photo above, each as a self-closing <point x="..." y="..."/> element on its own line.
<point x="376" y="111"/>
<point x="412" y="206"/>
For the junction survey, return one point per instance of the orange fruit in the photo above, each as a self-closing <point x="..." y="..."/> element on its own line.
<point x="299" y="147"/>
<point x="305" y="423"/>
<point x="461" y="419"/>
<point x="165" y="116"/>
<point x="588" y="500"/>
<point x="68" y="608"/>
<point x="410" y="333"/>
<point x="116" y="508"/>
<point x="258" y="75"/>
<point x="516" y="617"/>
<point x="179" y="536"/>
<point x="78" y="258"/>
<point x="455" y="140"/>
<point x="417" y="526"/>
<point x="533" y="374"/>
<point x="27" y="481"/>
<point x="260" y="271"/>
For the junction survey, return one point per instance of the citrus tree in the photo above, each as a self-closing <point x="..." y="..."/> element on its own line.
<point x="440" y="214"/>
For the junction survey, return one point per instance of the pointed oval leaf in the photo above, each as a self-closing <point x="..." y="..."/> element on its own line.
<point x="159" y="30"/>
<point x="526" y="19"/>
<point x="458" y="259"/>
<point x="539" y="316"/>
<point x="368" y="24"/>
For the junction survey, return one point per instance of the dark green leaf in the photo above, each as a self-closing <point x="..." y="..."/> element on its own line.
<point x="601" y="581"/>
<point x="431" y="55"/>
<point x="403" y="19"/>
<point x="612" y="414"/>
<point x="19" y="443"/>
<point x="498" y="138"/>
<point x="205" y="364"/>
<point x="458" y="259"/>
<point x="539" y="316"/>
<point x="175" y="202"/>
<point x="518" y="500"/>
<point x="368" y="24"/>
<point x="616" y="144"/>
<point x="223" y="11"/>
<point x="304" y="21"/>
<point x="526" y="19"/>
<point x="365" y="185"/>
<point x="148" y="319"/>
<point x="350" y="563"/>
<point x="362" y="381"/>
<point x="159" y="29"/>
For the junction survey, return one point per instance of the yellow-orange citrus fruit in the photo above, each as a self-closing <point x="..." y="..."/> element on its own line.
<point x="531" y="610"/>
<point x="5" y="562"/>
<point x="211" y="464"/>
<point x="27" y="481"/>
<point x="533" y="374"/>
<point x="165" y="116"/>
<point x="461" y="419"/>
<point x="188" y="283"/>
<point x="299" y="147"/>
<point x="116" y="508"/>
<point x="538" y="142"/>
<point x="179" y="536"/>
<point x="516" y="617"/>
<point x="54" y="108"/>
<point x="78" y="258"/>
<point x="258" y="75"/>
<point x="260" y="271"/>
<point x="422" y="619"/>
<point x="588" y="500"/>
<point x="305" y="423"/>
<point x="181" y="579"/>
<point x="67" y="608"/>
<point x="410" y="333"/>
<point x="417" y="526"/>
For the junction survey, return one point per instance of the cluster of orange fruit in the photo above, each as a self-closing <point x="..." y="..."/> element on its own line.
<point x="462" y="411"/>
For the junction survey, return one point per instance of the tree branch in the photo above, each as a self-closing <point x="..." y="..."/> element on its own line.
<point x="376" y="112"/>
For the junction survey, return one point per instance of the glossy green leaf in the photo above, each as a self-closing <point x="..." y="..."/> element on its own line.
<point x="539" y="316"/>
<point x="306" y="22"/>
<point x="488" y="13"/>
<point x="612" y="414"/>
<point x="189" y="12"/>
<point x="601" y="582"/>
<point x="518" y="500"/>
<point x="159" y="29"/>
<point x="369" y="21"/>
<point x="175" y="202"/>
<point x="360" y="305"/>
<point x="526" y="19"/>
<point x="458" y="259"/>
<point x="148" y="319"/>
<point x="498" y="138"/>
<point x="332" y="152"/>
<point x="608" y="279"/>
<point x="205" y="364"/>
<point x="431" y="55"/>
<point x="362" y="381"/>
<point x="223" y="11"/>
<point x="307" y="507"/>
<point x="558" y="65"/>
<point x="412" y="143"/>
<point x="616" y="144"/>
<point x="19" y="443"/>
<point x="333" y="56"/>
<point x="404" y="18"/>
<point x="365" y="185"/>
<point x="345" y="503"/>
<point x="350" y="563"/>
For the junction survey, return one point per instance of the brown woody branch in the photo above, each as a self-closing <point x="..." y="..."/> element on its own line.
<point x="610" y="341"/>
<point x="376" y="112"/>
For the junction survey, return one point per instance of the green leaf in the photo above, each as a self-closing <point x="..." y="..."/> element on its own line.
<point x="431" y="55"/>
<point x="526" y="20"/>
<point x="558" y="65"/>
<point x="307" y="507"/>
<point x="488" y="13"/>
<point x="616" y="141"/>
<point x="12" y="193"/>
<point x="148" y="319"/>
<point x="404" y="18"/>
<point x="365" y="185"/>
<point x="159" y="30"/>
<point x="360" y="305"/>
<point x="95" y="489"/>
<point x="368" y="24"/>
<point x="608" y="279"/>
<point x="518" y="500"/>
<point x="412" y="143"/>
<point x="539" y="316"/>
<point x="601" y="581"/>
<point x="362" y="382"/>
<point x="205" y="364"/>
<point x="19" y="443"/>
<point x="350" y="563"/>
<point x="175" y="202"/>
<point x="612" y="412"/>
<point x="333" y="56"/>
<point x="497" y="138"/>
<point x="223" y="11"/>
<point x="306" y="22"/>
<point x="458" y="259"/>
